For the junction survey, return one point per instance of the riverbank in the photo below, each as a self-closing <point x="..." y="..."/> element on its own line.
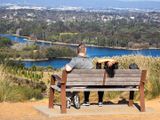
<point x="29" y="60"/>
<point x="36" y="60"/>
<point x="88" y="45"/>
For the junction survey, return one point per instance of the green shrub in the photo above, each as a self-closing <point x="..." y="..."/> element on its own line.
<point x="9" y="91"/>
<point x="61" y="51"/>
<point x="14" y="93"/>
<point x="5" y="42"/>
<point x="29" y="93"/>
<point x="153" y="87"/>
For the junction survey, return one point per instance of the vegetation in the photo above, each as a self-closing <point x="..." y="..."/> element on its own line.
<point x="151" y="64"/>
<point x="115" y="28"/>
<point x="31" y="85"/>
<point x="54" y="52"/>
<point x="9" y="91"/>
<point x="152" y="86"/>
<point x="18" y="83"/>
<point x="32" y="51"/>
<point x="5" y="42"/>
<point x="116" y="33"/>
<point x="37" y="52"/>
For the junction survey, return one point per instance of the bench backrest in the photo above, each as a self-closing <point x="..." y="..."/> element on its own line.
<point x="99" y="77"/>
<point x="125" y="77"/>
<point x="84" y="77"/>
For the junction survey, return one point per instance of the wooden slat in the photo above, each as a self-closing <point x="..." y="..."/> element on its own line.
<point x="127" y="75"/>
<point x="94" y="89"/>
<point x="89" y="80"/>
<point x="102" y="89"/>
<point x="87" y="71"/>
<point x="100" y="83"/>
<point x="84" y="75"/>
<point x="56" y="87"/>
<point x="84" y="83"/>
<point x="127" y="71"/>
<point x="121" y="83"/>
<point x="122" y="79"/>
<point x="85" y="79"/>
<point x="114" y="79"/>
<point x="70" y="76"/>
<point x="101" y="71"/>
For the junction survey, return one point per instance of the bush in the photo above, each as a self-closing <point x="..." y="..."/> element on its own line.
<point x="153" y="87"/>
<point x="9" y="91"/>
<point x="53" y="52"/>
<point x="5" y="42"/>
<point x="29" y="93"/>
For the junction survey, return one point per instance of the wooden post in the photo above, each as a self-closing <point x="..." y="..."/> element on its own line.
<point x="51" y="93"/>
<point x="63" y="92"/>
<point x="131" y="97"/>
<point x="142" y="96"/>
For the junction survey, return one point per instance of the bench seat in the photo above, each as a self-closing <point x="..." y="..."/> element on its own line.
<point x="79" y="89"/>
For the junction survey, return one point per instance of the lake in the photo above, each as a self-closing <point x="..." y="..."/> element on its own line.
<point x="91" y="52"/>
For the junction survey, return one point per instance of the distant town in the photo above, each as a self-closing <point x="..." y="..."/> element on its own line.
<point x="135" y="28"/>
<point x="51" y="15"/>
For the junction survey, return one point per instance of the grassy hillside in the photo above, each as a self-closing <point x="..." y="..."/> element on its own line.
<point x="11" y="91"/>
<point x="151" y="64"/>
<point x="152" y="87"/>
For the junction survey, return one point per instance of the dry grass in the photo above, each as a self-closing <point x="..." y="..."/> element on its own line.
<point x="151" y="64"/>
<point x="152" y="88"/>
<point x="6" y="90"/>
<point x="9" y="91"/>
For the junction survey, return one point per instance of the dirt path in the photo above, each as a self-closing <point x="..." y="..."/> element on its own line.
<point x="25" y="111"/>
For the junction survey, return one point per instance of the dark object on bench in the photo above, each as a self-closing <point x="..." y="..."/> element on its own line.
<point x="110" y="70"/>
<point x="133" y="66"/>
<point x="98" y="80"/>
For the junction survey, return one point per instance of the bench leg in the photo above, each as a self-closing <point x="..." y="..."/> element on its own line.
<point x="51" y="93"/>
<point x="51" y="98"/>
<point x="131" y="97"/>
<point x="142" y="100"/>
<point x="63" y="99"/>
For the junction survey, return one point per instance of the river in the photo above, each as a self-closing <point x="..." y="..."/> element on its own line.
<point x="91" y="52"/>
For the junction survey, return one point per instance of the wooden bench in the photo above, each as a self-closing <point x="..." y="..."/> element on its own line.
<point x="96" y="80"/>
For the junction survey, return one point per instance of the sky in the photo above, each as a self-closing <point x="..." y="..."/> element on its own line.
<point x="86" y="0"/>
<point x="90" y="3"/>
<point x="42" y="1"/>
<point x="140" y="0"/>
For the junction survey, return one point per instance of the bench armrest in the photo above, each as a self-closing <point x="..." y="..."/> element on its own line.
<point x="55" y="78"/>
